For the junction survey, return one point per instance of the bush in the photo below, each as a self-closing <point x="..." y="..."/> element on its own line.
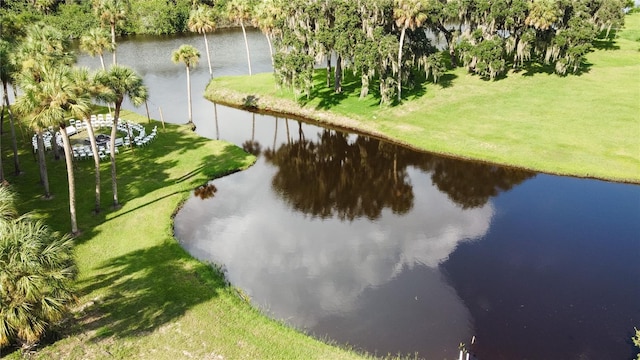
<point x="37" y="271"/>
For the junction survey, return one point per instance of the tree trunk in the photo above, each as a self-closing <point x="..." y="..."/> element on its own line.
<point x="96" y="160"/>
<point x="112" y="144"/>
<point x="270" y="48"/>
<point x="448" y="35"/>
<point x="43" y="165"/>
<point x="404" y="30"/>
<point x="68" y="156"/>
<point x="328" y="70"/>
<point x="364" y="91"/>
<point x="113" y="42"/>
<point x="206" y="46"/>
<point x="102" y="61"/>
<point x="54" y="145"/>
<point x="337" y="85"/>
<point x="275" y="135"/>
<point x="14" y="142"/>
<point x="246" y="44"/>
<point x="286" y="124"/>
<point x="189" y="94"/>
<point x="215" y="114"/>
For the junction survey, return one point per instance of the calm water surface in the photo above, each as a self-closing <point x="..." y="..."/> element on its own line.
<point x="396" y="251"/>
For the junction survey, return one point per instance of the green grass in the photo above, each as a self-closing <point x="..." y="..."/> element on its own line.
<point x="141" y="296"/>
<point x="585" y="125"/>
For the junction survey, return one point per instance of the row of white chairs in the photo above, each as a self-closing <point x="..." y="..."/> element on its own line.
<point x="82" y="152"/>
<point x="137" y="131"/>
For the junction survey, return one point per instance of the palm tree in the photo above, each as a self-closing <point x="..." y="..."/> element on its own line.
<point x="266" y="18"/>
<point x="239" y="11"/>
<point x="47" y="102"/>
<point x="37" y="271"/>
<point x="84" y="80"/>
<point x="119" y="82"/>
<point x="111" y="13"/>
<point x="43" y="48"/>
<point x="408" y="14"/>
<point x="543" y="14"/>
<point x="7" y="71"/>
<point x="201" y="20"/>
<point x="188" y="55"/>
<point x="95" y="42"/>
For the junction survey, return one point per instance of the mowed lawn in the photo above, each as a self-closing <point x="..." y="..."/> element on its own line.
<point x="140" y="295"/>
<point x="585" y="125"/>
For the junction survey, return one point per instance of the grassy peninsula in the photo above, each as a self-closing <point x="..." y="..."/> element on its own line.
<point x="585" y="125"/>
<point x="140" y="295"/>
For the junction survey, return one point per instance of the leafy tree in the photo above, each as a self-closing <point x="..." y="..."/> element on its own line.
<point x="189" y="56"/>
<point x="158" y="17"/>
<point x="37" y="271"/>
<point x="73" y="19"/>
<point x="117" y="83"/>
<point x="202" y="20"/>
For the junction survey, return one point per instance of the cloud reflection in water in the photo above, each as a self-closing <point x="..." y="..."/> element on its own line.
<point x="312" y="272"/>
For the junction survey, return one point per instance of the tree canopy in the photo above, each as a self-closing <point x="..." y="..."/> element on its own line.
<point x="392" y="40"/>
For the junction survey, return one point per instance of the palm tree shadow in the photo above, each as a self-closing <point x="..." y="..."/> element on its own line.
<point x="147" y="289"/>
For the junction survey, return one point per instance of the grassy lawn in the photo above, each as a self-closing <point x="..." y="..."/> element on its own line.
<point x="585" y="125"/>
<point x="141" y="296"/>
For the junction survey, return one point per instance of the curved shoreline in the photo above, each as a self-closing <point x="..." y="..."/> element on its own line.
<point x="274" y="106"/>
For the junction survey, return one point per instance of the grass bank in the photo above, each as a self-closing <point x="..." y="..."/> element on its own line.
<point x="585" y="125"/>
<point x="141" y="296"/>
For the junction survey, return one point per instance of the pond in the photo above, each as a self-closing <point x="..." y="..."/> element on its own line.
<point x="396" y="251"/>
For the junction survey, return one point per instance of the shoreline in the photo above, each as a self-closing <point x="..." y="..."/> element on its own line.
<point x="266" y="104"/>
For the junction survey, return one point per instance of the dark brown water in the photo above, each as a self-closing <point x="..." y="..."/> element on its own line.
<point x="394" y="251"/>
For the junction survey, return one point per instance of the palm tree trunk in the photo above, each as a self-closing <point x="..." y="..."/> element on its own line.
<point x="246" y="45"/>
<point x="206" y="46"/>
<point x="286" y="124"/>
<point x="96" y="160"/>
<point x="404" y="30"/>
<point x="102" y="61"/>
<point x="43" y="165"/>
<point x="14" y="142"/>
<point x="275" y="135"/>
<point x="68" y="156"/>
<point x="113" y="41"/>
<point x="270" y="48"/>
<point x="54" y="145"/>
<point x="189" y="94"/>
<point x="112" y="144"/>
<point x="215" y="114"/>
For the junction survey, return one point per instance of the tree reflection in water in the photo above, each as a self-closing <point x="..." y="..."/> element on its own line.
<point x="339" y="176"/>
<point x="205" y="191"/>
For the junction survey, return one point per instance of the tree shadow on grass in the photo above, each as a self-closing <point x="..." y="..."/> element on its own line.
<point x="532" y="69"/>
<point x="147" y="288"/>
<point x="446" y="80"/>
<point x="607" y="44"/>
